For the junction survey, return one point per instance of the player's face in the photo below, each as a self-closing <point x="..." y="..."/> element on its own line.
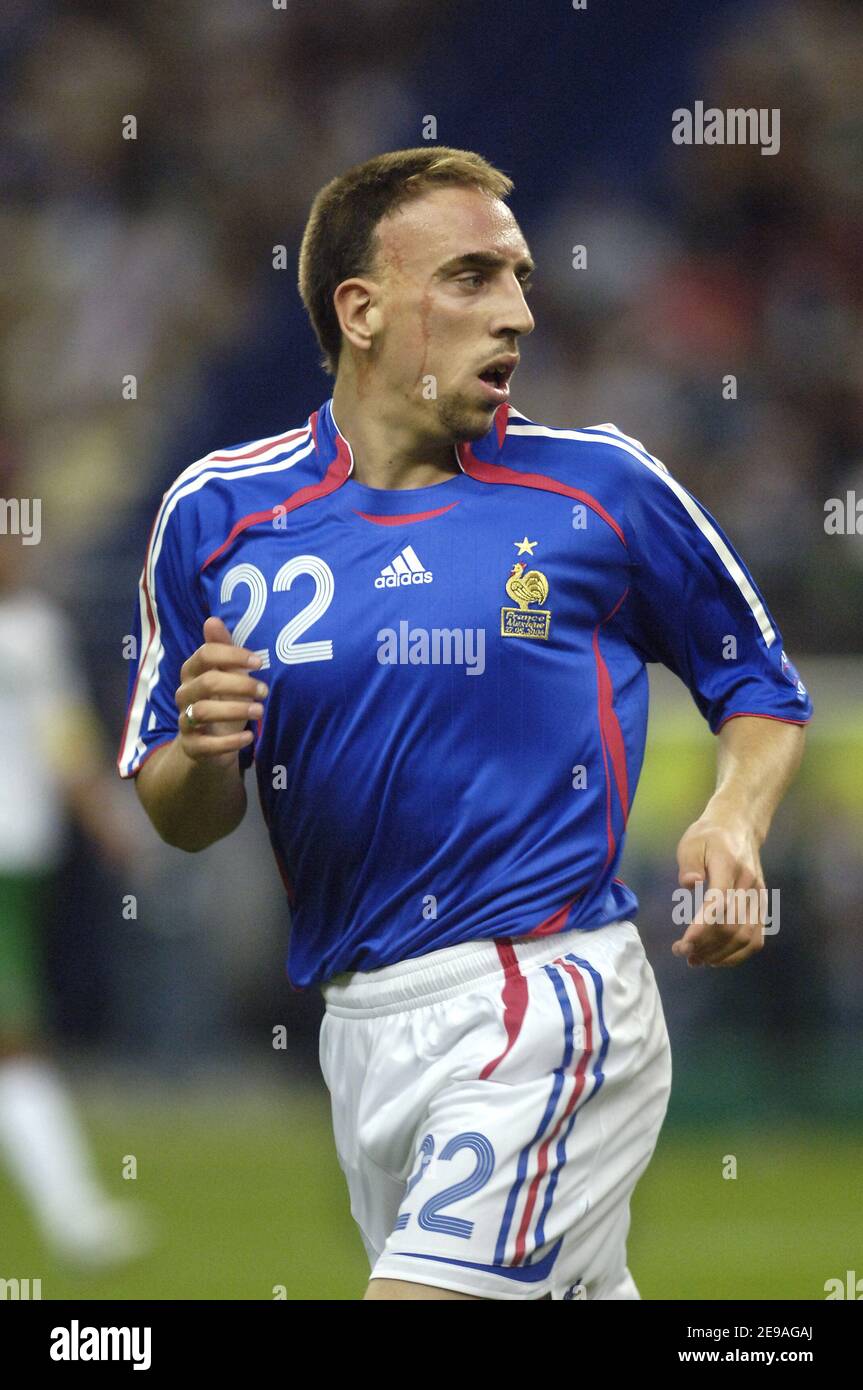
<point x="452" y="268"/>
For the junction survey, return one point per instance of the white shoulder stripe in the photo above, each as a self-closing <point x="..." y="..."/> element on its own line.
<point x="279" y="444"/>
<point x="252" y="444"/>
<point x="544" y="431"/>
<point x="153" y="649"/>
<point x="612" y="429"/>
<point x="707" y="529"/>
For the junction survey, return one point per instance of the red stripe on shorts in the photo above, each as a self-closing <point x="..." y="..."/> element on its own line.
<point x="514" y="1000"/>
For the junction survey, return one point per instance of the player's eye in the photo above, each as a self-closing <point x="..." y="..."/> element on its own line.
<point x="526" y="285"/>
<point x="472" y="280"/>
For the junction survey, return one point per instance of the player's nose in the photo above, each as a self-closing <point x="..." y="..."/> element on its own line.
<point x="512" y="315"/>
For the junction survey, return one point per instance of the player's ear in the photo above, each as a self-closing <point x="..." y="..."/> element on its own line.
<point x="357" y="305"/>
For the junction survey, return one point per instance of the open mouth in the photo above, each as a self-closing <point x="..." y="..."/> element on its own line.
<point x="498" y="376"/>
<point x="496" y="379"/>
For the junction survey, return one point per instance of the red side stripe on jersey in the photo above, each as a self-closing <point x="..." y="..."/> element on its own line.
<point x="578" y="1088"/>
<point x="610" y="736"/>
<point x="610" y="840"/>
<point x="557" y="921"/>
<point x="501" y="419"/>
<point x="610" y="725"/>
<point x="404" y="520"/>
<point x="334" y="477"/>
<point x="253" y="453"/>
<point x="514" y="1000"/>
<point x="498" y="473"/>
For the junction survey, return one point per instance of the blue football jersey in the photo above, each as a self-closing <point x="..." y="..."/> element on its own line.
<point x="457" y="673"/>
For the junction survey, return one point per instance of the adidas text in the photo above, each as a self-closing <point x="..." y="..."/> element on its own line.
<point x="393" y="581"/>
<point x="406" y="568"/>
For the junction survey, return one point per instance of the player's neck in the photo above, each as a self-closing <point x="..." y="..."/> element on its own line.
<point x="388" y="452"/>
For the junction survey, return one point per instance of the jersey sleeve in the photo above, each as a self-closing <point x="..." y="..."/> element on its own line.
<point x="695" y="607"/>
<point x="167" y="626"/>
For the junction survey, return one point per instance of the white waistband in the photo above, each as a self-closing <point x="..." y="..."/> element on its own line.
<point x="443" y="974"/>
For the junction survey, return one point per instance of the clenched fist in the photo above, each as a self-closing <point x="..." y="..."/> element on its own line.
<point x="217" y="697"/>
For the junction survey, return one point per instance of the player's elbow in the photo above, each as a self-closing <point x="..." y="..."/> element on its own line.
<point x="191" y="828"/>
<point x="190" y="838"/>
<point x="184" y="840"/>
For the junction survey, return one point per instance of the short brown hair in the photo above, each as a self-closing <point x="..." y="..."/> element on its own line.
<point x="339" y="238"/>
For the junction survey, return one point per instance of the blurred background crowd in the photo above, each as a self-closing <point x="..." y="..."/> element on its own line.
<point x="144" y="323"/>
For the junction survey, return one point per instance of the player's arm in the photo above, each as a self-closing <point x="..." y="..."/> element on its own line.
<point x="192" y="788"/>
<point x="695" y="607"/>
<point x="757" y="760"/>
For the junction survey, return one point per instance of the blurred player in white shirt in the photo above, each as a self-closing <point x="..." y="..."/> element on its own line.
<point x="52" y="766"/>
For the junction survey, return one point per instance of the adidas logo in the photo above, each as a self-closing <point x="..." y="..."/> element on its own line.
<point x="406" y="568"/>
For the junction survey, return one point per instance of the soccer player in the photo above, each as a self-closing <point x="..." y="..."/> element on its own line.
<point x="53" y="767"/>
<point x="426" y="621"/>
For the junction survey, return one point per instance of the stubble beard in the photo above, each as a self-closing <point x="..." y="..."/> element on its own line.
<point x="462" y="420"/>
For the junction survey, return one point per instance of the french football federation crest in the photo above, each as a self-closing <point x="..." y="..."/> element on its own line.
<point x="526" y="587"/>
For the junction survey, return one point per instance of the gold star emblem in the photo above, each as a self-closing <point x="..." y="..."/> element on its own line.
<point x="526" y="547"/>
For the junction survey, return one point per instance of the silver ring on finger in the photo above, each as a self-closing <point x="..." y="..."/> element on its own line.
<point x="190" y="718"/>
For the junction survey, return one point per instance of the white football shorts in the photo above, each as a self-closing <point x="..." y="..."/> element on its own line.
<point x="494" y="1105"/>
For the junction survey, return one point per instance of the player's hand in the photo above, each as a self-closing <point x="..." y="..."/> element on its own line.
<point x="219" y="683"/>
<point x="722" y="854"/>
